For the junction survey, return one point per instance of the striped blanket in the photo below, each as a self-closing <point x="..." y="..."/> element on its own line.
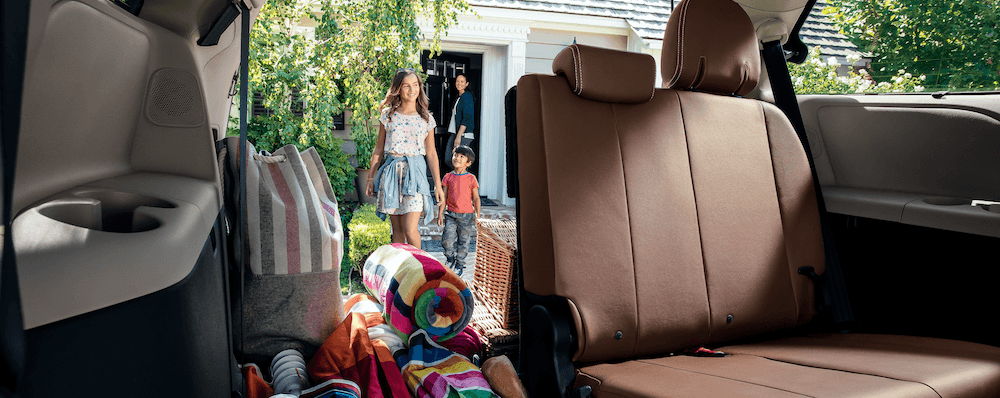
<point x="349" y="357"/>
<point x="432" y="371"/>
<point x="418" y="292"/>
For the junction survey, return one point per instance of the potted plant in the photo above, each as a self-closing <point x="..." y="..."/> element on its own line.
<point x="365" y="139"/>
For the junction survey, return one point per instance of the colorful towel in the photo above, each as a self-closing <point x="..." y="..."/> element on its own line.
<point x="432" y="371"/>
<point x="349" y="354"/>
<point x="418" y="292"/>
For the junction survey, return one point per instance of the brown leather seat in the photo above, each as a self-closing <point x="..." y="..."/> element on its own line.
<point x="676" y="218"/>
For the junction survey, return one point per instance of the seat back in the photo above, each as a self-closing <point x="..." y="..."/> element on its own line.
<point x="666" y="218"/>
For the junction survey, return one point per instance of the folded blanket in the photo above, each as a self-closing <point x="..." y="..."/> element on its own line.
<point x="418" y="292"/>
<point x="349" y="355"/>
<point x="256" y="387"/>
<point x="432" y="371"/>
<point x="378" y="330"/>
<point x="334" y="388"/>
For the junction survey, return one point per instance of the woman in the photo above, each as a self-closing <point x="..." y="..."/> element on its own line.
<point x="406" y="135"/>
<point x="463" y="119"/>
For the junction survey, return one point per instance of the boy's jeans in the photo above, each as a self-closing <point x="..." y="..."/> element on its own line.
<point x="457" y="227"/>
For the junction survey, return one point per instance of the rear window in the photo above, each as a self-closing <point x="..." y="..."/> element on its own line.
<point x="884" y="46"/>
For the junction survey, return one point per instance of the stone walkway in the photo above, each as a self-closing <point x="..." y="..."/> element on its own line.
<point x="431" y="236"/>
<point x="433" y="231"/>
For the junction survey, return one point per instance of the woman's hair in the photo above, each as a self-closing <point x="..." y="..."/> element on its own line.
<point x="392" y="100"/>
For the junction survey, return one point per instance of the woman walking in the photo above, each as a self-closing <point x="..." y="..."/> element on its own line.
<point x="406" y="140"/>
<point x="463" y="119"/>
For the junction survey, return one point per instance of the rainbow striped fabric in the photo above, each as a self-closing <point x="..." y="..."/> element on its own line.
<point x="432" y="371"/>
<point x="418" y="292"/>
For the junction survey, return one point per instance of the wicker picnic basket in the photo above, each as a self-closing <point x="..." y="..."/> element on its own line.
<point x="495" y="279"/>
<point x="495" y="338"/>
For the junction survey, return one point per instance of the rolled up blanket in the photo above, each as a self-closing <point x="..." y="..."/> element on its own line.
<point x="418" y="292"/>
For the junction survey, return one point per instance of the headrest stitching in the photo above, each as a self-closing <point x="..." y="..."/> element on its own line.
<point x="576" y="70"/>
<point x="679" y="68"/>
<point x="579" y="69"/>
<point x="654" y="87"/>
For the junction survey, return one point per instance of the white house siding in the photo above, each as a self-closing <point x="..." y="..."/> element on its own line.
<point x="544" y="44"/>
<point x="518" y="42"/>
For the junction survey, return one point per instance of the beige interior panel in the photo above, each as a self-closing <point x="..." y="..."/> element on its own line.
<point x="71" y="262"/>
<point x="888" y="157"/>
<point x="221" y="63"/>
<point x="948" y="213"/>
<point x="933" y="150"/>
<point x="71" y="130"/>
<point x="953" y="215"/>
<point x="869" y="203"/>
<point x="94" y="72"/>
<point x="117" y="184"/>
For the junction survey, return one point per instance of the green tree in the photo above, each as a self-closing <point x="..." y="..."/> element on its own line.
<point x="304" y="80"/>
<point x="374" y="39"/>
<point x="953" y="43"/>
<point x="295" y="77"/>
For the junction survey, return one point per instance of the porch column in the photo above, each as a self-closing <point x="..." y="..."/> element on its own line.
<point x="515" y="69"/>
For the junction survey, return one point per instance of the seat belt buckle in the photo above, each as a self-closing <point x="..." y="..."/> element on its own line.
<point x="810" y="273"/>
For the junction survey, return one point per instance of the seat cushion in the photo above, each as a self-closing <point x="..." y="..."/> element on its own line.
<point x="952" y="368"/>
<point x="833" y="365"/>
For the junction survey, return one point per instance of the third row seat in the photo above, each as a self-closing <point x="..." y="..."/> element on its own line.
<point x="663" y="219"/>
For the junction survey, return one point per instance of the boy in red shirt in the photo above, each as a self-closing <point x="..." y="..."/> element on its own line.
<point x="462" y="192"/>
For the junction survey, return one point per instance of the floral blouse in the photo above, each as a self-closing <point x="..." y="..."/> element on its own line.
<point x="405" y="134"/>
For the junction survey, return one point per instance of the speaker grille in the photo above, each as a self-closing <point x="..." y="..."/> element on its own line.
<point x="174" y="99"/>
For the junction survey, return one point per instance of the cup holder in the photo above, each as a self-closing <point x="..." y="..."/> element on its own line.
<point x="108" y="211"/>
<point x="946" y="201"/>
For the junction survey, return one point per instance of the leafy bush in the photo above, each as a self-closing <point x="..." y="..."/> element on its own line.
<point x="953" y="43"/>
<point x="818" y="77"/>
<point x="368" y="232"/>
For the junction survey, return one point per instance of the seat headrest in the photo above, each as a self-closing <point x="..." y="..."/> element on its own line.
<point x="605" y="75"/>
<point x="710" y="46"/>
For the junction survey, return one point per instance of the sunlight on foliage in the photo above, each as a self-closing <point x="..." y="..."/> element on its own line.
<point x="345" y="62"/>
<point x="953" y="43"/>
<point x="819" y="76"/>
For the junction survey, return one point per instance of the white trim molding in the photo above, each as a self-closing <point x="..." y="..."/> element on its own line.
<point x="469" y="29"/>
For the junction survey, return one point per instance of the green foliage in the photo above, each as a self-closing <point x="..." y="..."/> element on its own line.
<point x="368" y="232"/>
<point x="953" y="43"/>
<point x="346" y="65"/>
<point x="284" y="62"/>
<point x="373" y="40"/>
<point x="814" y="76"/>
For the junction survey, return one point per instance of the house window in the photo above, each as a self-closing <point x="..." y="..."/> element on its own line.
<point x="296" y="105"/>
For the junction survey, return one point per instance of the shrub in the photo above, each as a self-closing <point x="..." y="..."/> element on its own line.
<point x="368" y="232"/>
<point x="818" y="77"/>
